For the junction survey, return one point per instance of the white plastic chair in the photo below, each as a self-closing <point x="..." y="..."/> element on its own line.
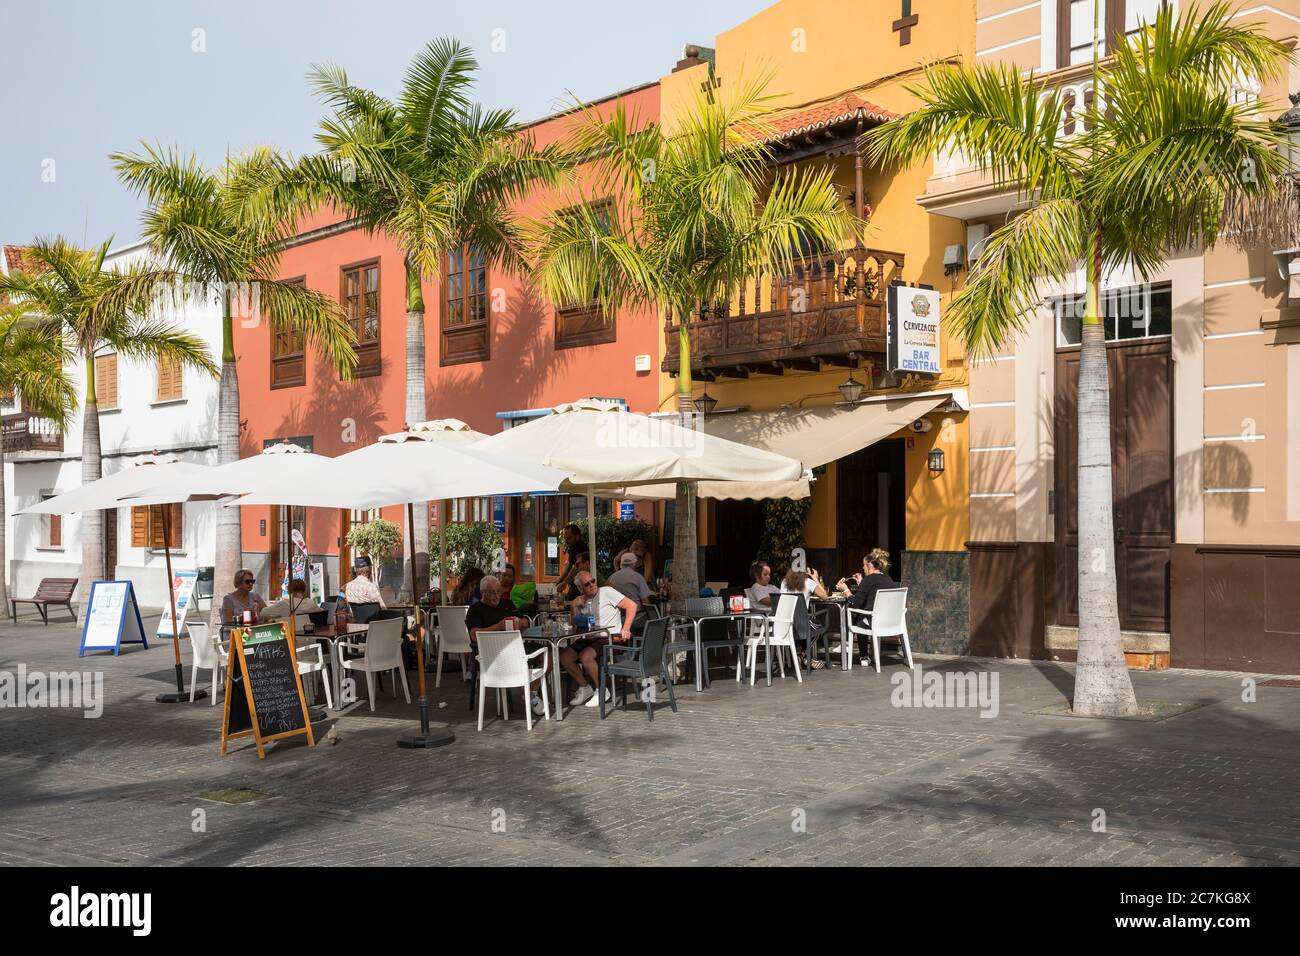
<point x="206" y="655"/>
<point x="887" y="618"/>
<point x="381" y="652"/>
<point x="504" y="665"/>
<point x="316" y="665"/>
<point x="780" y="628"/>
<point x="453" y="637"/>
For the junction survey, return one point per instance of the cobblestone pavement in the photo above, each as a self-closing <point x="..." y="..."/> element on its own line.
<point x="824" y="772"/>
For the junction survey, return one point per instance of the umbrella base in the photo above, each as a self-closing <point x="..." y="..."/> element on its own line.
<point x="434" y="738"/>
<point x="180" y="696"/>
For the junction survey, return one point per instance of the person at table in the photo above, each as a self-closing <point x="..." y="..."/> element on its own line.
<point x="761" y="591"/>
<point x="361" y="589"/>
<point x="297" y="603"/>
<point x="495" y="612"/>
<point x="242" y="598"/>
<point x="468" y="588"/>
<point x="808" y="583"/>
<point x="522" y="596"/>
<point x="644" y="563"/>
<point x="629" y="580"/>
<point x="579" y="560"/>
<point x="874" y="577"/>
<point x="614" y="611"/>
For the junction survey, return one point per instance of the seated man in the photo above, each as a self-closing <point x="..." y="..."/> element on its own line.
<point x="495" y="612"/>
<point x="614" y="611"/>
<point x="761" y="591"/>
<point x="629" y="580"/>
<point x="297" y="603"/>
<point x="361" y="589"/>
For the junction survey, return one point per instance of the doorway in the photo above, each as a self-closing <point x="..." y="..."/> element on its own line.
<point x="1142" y="476"/>
<point x="871" y="507"/>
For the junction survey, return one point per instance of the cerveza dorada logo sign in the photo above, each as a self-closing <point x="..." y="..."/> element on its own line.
<point x="76" y="909"/>
<point x="912" y="329"/>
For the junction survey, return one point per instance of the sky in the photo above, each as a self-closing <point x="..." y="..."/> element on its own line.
<point x="82" y="78"/>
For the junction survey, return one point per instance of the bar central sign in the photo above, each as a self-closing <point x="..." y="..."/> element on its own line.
<point x="912" y="329"/>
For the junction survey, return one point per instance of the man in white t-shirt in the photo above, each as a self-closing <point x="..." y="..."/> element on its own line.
<point x="614" y="612"/>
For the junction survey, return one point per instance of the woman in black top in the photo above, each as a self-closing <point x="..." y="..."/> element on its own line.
<point x="872" y="579"/>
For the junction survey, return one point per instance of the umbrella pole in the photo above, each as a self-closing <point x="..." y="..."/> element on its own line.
<point x="180" y="694"/>
<point x="426" y="738"/>
<point x="591" y="534"/>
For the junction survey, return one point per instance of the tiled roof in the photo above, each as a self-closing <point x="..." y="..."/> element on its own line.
<point x="840" y="110"/>
<point x="14" y="257"/>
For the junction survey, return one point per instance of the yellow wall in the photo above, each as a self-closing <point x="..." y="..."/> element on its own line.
<point x="817" y="50"/>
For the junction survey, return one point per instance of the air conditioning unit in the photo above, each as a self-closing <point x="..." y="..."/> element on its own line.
<point x="976" y="235"/>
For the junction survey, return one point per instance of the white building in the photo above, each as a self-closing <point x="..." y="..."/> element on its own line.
<point x="142" y="408"/>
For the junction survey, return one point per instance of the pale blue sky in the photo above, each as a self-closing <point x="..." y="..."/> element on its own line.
<point x="84" y="77"/>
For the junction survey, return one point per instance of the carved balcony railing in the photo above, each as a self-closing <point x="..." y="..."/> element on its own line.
<point x="828" y="310"/>
<point x="26" y="432"/>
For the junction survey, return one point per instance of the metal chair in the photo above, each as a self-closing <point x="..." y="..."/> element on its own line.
<point x="643" y="661"/>
<point x="704" y="607"/>
<point x="887" y="618"/>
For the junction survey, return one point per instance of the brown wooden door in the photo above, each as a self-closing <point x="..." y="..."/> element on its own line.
<point x="1142" y="461"/>
<point x="110" y="543"/>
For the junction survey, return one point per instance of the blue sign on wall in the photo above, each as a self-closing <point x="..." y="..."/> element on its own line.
<point x="627" y="511"/>
<point x="499" y="513"/>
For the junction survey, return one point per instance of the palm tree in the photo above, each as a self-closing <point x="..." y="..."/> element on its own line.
<point x="32" y="359"/>
<point x="216" y="244"/>
<point x="1163" y="148"/>
<point x="431" y="171"/>
<point x="96" y="309"/>
<point x="693" y="215"/>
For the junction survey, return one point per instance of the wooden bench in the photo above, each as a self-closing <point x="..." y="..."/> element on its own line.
<point x="52" y="591"/>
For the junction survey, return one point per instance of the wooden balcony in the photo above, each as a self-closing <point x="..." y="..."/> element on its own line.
<point x="26" y="432"/>
<point x="829" y="310"/>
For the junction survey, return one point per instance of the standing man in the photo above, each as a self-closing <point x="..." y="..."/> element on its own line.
<point x="614" y="612"/>
<point x="579" y="560"/>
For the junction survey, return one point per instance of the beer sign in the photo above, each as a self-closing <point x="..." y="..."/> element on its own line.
<point x="912" y="328"/>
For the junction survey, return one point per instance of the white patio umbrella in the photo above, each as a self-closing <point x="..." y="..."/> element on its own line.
<point x="431" y="462"/>
<point x="108" y="492"/>
<point x="609" y="449"/>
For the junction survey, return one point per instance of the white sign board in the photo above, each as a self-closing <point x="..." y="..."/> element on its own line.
<point x="183" y="589"/>
<point x="913" y="330"/>
<point x="316" y="583"/>
<point x="112" y="618"/>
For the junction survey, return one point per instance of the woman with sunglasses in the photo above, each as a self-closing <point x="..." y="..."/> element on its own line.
<point x="242" y="598"/>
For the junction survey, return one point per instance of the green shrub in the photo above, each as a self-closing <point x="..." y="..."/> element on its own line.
<point x="612" y="536"/>
<point x="783" y="521"/>
<point x="474" y="545"/>
<point x="378" y="540"/>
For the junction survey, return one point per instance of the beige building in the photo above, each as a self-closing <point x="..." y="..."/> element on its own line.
<point x="1205" y="404"/>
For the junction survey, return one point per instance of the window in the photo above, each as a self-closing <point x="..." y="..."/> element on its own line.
<point x="1074" y="21"/>
<point x="1138" y="312"/>
<point x="170" y="384"/>
<point x="147" y="526"/>
<point x="51" y="526"/>
<point x="361" y="307"/>
<point x="106" y="381"/>
<point x="585" y="323"/>
<point x="465" y="335"/>
<point x="288" y="353"/>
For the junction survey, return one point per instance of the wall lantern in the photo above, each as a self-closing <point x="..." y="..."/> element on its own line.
<point x="935" y="461"/>
<point x="851" y="390"/>
<point x="706" y="403"/>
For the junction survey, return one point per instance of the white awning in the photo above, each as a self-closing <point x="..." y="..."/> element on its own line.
<point x="814" y="436"/>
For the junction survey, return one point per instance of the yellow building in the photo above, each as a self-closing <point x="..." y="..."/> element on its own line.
<point x="775" y="362"/>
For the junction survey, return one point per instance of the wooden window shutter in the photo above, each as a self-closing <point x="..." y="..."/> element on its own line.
<point x="56" y="531"/>
<point x="175" y="522"/>
<point x="169" y="380"/>
<point x="106" y="381"/>
<point x="139" y="527"/>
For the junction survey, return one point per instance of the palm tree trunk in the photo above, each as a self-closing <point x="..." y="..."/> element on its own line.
<point x="686" y="568"/>
<point x="229" y="555"/>
<point x="92" y="522"/>
<point x="1102" y="687"/>
<point x="4" y="557"/>
<point x="417" y="410"/>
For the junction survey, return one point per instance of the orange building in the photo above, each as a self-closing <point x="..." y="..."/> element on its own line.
<point x="496" y="354"/>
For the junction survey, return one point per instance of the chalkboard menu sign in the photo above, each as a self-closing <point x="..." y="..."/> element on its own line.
<point x="263" y="690"/>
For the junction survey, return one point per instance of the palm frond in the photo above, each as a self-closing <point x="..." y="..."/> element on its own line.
<point x="318" y="316"/>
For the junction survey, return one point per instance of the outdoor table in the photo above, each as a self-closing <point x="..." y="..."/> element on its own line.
<point x="841" y="605"/>
<point x="700" y="663"/>
<point x="332" y="635"/>
<point x="534" y="635"/>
